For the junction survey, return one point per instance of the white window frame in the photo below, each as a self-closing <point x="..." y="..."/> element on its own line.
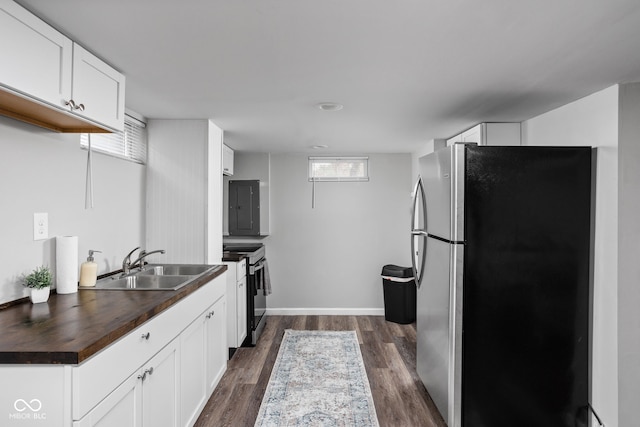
<point x="130" y="144"/>
<point x="337" y="160"/>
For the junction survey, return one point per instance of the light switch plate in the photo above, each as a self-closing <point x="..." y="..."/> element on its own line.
<point x="40" y="226"/>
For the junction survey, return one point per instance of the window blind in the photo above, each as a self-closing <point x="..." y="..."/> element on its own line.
<point x="131" y="144"/>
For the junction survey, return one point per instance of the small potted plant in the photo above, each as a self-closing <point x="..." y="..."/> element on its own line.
<point x="39" y="281"/>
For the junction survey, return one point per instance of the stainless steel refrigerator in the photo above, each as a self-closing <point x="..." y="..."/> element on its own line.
<point x="501" y="244"/>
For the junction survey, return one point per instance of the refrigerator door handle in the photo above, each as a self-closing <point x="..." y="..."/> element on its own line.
<point x="418" y="193"/>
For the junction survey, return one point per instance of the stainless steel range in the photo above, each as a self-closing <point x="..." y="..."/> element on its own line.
<point x="256" y="298"/>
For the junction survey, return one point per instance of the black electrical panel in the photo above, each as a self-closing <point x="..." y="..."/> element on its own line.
<point x="244" y="208"/>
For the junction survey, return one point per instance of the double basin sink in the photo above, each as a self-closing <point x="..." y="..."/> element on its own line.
<point x="156" y="277"/>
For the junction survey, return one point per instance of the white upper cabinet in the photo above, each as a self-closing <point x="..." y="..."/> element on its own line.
<point x="48" y="80"/>
<point x="37" y="59"/>
<point x="227" y="160"/>
<point x="473" y="135"/>
<point x="98" y="88"/>
<point x="490" y="134"/>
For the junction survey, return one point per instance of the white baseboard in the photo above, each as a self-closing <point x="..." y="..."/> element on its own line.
<point x="325" y="311"/>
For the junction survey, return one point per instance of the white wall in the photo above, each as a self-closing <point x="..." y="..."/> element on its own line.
<point x="184" y="191"/>
<point x="214" y="194"/>
<point x="44" y="171"/>
<point x="329" y="259"/>
<point x="593" y="121"/>
<point x="629" y="248"/>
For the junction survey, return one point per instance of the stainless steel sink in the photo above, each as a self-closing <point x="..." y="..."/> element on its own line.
<point x="174" y="269"/>
<point x="156" y="277"/>
<point x="142" y="282"/>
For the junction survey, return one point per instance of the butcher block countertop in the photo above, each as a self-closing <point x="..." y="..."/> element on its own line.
<point x="70" y="328"/>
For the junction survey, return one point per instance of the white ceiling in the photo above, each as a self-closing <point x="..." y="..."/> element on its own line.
<point x="407" y="71"/>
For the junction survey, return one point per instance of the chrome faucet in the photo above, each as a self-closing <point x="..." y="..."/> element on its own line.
<point x="127" y="265"/>
<point x="143" y="255"/>
<point x="126" y="262"/>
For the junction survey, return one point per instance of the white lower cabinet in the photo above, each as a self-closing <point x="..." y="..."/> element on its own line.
<point x="216" y="344"/>
<point x="160" y="379"/>
<point x="193" y="389"/>
<point x="159" y="374"/>
<point x="120" y="408"/>
<point x="241" y="309"/>
<point x="203" y="346"/>
<point x="149" y="397"/>
<point x="171" y="386"/>
<point x="237" y="303"/>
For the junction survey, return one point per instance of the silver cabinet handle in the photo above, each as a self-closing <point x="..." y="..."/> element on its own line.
<point x="144" y="374"/>
<point x="146" y="336"/>
<point x="72" y="104"/>
<point x="210" y="314"/>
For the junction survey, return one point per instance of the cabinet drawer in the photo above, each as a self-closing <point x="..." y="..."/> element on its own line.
<point x="102" y="373"/>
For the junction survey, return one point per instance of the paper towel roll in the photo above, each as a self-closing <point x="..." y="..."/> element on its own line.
<point x="67" y="264"/>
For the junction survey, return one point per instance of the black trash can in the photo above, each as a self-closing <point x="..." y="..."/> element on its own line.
<point x="399" y="289"/>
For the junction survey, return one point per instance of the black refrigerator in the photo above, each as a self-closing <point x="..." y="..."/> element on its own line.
<point x="501" y="247"/>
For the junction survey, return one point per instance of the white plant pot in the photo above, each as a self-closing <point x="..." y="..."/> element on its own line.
<point x="39" y="295"/>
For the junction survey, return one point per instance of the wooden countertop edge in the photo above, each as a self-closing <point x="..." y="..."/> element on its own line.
<point x="77" y="357"/>
<point x="232" y="257"/>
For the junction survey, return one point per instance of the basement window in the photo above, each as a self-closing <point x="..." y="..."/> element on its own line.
<point x="341" y="169"/>
<point x="131" y="144"/>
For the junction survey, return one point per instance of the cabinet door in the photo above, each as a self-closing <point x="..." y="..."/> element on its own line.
<point x="36" y="59"/>
<point x="473" y="135"/>
<point x="241" y="310"/>
<point x="98" y="88"/>
<point x="147" y="398"/>
<point x="120" y="408"/>
<point x="227" y="160"/>
<point x="193" y="386"/>
<point x="160" y="379"/>
<point x="216" y="343"/>
<point x="232" y="284"/>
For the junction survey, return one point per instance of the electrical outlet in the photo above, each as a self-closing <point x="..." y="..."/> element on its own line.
<point x="40" y="226"/>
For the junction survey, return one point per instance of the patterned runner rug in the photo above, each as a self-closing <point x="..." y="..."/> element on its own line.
<point x="318" y="379"/>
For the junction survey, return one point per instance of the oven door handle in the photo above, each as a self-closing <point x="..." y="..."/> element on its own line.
<point x="256" y="267"/>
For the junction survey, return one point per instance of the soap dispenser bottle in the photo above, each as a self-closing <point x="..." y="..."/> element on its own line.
<point x="89" y="270"/>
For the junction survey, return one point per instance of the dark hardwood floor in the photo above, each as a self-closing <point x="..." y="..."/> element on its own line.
<point x="389" y="353"/>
